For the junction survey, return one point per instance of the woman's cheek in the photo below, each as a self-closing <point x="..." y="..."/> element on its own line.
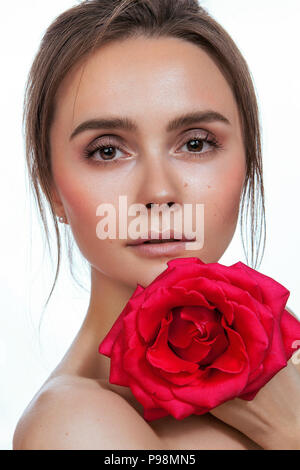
<point x="80" y="200"/>
<point x="221" y="210"/>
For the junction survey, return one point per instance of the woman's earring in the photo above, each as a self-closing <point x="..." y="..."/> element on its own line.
<point x="61" y="219"/>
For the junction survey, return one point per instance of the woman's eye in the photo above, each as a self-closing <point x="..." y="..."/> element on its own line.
<point x="106" y="153"/>
<point x="103" y="153"/>
<point x="200" y="145"/>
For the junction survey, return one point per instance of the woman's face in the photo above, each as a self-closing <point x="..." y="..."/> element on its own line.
<point x="150" y="82"/>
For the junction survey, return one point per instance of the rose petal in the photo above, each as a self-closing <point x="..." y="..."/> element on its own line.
<point x="130" y="329"/>
<point x="212" y="388"/>
<point x="234" y="358"/>
<point x="203" y="351"/>
<point x="213" y="293"/>
<point x="213" y="271"/>
<point x="186" y="268"/>
<point x="190" y="297"/>
<point x="196" y="352"/>
<point x="188" y="321"/>
<point x="255" y="338"/>
<point x="274" y="294"/>
<point x="217" y="348"/>
<point x="144" y="398"/>
<point x="180" y="331"/>
<point x="184" y="261"/>
<point x="256" y="373"/>
<point x="161" y="356"/>
<point x="117" y="374"/>
<point x="200" y="314"/>
<point x="174" y="274"/>
<point x="290" y="330"/>
<point x="155" y="413"/>
<point x="181" y="378"/>
<point x="274" y="362"/>
<point x="151" y="313"/>
<point x="234" y="293"/>
<point x="151" y="411"/>
<point x="107" y="343"/>
<point x="214" y="329"/>
<point x="157" y="306"/>
<point x="239" y="277"/>
<point x="176" y="408"/>
<point x="266" y="318"/>
<point x="136" y="365"/>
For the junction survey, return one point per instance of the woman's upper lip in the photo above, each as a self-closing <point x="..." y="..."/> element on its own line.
<point x="172" y="234"/>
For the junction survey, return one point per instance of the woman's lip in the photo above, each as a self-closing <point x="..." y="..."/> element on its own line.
<point x="159" y="249"/>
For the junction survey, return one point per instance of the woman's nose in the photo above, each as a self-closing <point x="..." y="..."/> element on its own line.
<point x="150" y="204"/>
<point x="158" y="183"/>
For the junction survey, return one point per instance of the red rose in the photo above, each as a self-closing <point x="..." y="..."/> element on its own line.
<point x="199" y="335"/>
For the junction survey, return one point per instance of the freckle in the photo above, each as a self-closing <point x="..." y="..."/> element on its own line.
<point x="185" y="185"/>
<point x="66" y="433"/>
<point x="208" y="186"/>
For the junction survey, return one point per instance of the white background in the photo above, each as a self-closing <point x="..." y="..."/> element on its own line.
<point x="267" y="33"/>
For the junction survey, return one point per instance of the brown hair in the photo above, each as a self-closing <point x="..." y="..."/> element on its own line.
<point x="76" y="33"/>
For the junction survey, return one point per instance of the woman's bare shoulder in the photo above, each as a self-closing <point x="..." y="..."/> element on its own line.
<point x="79" y="413"/>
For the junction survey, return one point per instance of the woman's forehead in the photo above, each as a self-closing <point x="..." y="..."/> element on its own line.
<point x="161" y="75"/>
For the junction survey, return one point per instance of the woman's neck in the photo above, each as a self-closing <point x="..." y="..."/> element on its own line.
<point x="107" y="300"/>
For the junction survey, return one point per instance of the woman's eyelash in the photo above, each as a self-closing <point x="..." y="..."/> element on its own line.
<point x="89" y="152"/>
<point x="207" y="139"/>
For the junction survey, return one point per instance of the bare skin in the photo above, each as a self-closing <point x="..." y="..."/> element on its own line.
<point x="150" y="81"/>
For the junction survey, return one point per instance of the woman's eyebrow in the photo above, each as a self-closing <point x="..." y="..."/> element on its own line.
<point x="129" y="125"/>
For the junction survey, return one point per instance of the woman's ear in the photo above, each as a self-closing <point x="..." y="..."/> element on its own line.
<point x="56" y="201"/>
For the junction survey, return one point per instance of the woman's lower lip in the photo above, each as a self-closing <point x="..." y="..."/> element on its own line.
<point x="159" y="249"/>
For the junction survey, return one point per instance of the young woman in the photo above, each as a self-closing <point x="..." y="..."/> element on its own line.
<point x="152" y="100"/>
